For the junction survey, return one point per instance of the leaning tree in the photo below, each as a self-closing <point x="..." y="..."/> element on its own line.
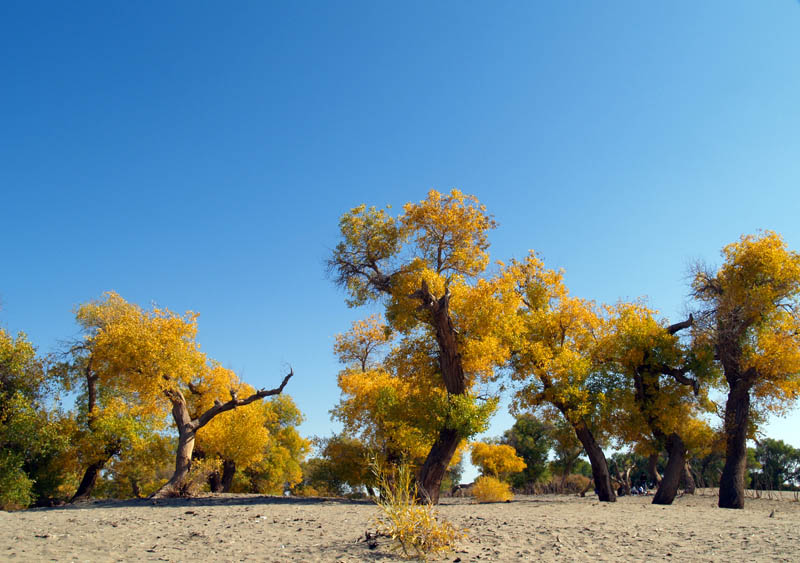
<point x="153" y="355"/>
<point x="659" y="394"/>
<point x="427" y="267"/>
<point x="556" y="359"/>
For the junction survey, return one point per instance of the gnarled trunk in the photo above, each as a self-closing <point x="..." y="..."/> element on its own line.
<point x="88" y="482"/>
<point x="600" y="473"/>
<point x="183" y="464"/>
<point x="737" y="413"/>
<point x="668" y="488"/>
<point x="435" y="466"/>
<point x="442" y="451"/>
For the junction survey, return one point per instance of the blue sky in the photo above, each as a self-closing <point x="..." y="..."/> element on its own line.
<point x="199" y="154"/>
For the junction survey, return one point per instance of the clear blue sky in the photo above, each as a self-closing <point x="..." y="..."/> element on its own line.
<point x="199" y="154"/>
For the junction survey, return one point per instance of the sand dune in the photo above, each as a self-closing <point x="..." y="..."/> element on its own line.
<point x="256" y="528"/>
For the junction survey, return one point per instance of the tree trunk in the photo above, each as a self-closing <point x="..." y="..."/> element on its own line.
<point x="435" y="466"/>
<point x="652" y="469"/>
<point x="688" y="480"/>
<point x="135" y="488"/>
<point x="215" y="482"/>
<point x="450" y="364"/>
<point x="88" y="482"/>
<point x="668" y="488"/>
<point x="228" y="471"/>
<point x="90" y="475"/>
<point x="183" y="456"/>
<point x="737" y="414"/>
<point x="602" y="478"/>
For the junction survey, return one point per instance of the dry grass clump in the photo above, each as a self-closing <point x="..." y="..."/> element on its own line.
<point x="491" y="489"/>
<point x="413" y="525"/>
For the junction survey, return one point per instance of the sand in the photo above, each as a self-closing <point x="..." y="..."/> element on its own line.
<point x="531" y="528"/>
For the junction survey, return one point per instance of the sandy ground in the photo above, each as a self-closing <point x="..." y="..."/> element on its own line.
<point x="549" y="528"/>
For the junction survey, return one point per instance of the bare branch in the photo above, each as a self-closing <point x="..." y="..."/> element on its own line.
<point x="672" y="329"/>
<point x="220" y="407"/>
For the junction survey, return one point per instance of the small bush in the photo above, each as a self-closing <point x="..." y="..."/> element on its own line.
<point x="414" y="526"/>
<point x="490" y="489"/>
<point x="575" y="483"/>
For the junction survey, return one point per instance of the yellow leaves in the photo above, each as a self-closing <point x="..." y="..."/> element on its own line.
<point x="754" y="301"/>
<point x="143" y="352"/>
<point x="496" y="460"/>
<point x="450" y="232"/>
<point x="239" y="435"/>
<point x="491" y="489"/>
<point x="362" y="343"/>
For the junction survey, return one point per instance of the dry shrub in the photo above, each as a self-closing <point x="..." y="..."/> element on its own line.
<point x="490" y="489"/>
<point x="413" y="525"/>
<point x="575" y="484"/>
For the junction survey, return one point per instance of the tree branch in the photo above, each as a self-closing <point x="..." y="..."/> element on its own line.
<point x="220" y="407"/>
<point x="672" y="329"/>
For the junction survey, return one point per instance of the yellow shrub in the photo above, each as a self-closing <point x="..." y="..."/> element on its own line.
<point x="413" y="526"/>
<point x="489" y="489"/>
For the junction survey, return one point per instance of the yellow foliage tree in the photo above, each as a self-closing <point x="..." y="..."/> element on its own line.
<point x="426" y="267"/>
<point x="657" y="403"/>
<point x="749" y="318"/>
<point x="153" y="354"/>
<point x="496" y="460"/>
<point x="558" y="358"/>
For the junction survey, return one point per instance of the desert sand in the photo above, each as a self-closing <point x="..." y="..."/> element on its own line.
<point x="531" y="528"/>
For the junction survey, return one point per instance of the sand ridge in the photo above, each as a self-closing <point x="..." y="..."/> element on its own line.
<point x="546" y="527"/>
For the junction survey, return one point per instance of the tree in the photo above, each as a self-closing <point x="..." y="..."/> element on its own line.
<point x="530" y="438"/>
<point x="281" y="465"/>
<point x="779" y="465"/>
<point x="556" y="359"/>
<point x="386" y="401"/>
<point x="749" y="317"/>
<point x="154" y="356"/>
<point x="32" y="437"/>
<point x="141" y="469"/>
<point x="566" y="447"/>
<point x="656" y="399"/>
<point x="236" y="438"/>
<point x="426" y="267"/>
<point x="496" y="460"/>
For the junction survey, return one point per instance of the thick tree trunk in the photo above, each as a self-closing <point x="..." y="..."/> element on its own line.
<point x="183" y="463"/>
<point x="737" y="414"/>
<point x="652" y="469"/>
<point x="668" y="488"/>
<point x="187" y="430"/>
<point x="688" y="480"/>
<point x="435" y="466"/>
<point x="602" y="477"/>
<point x="88" y="482"/>
<point x="228" y="471"/>
<point x="90" y="475"/>
<point x="450" y="364"/>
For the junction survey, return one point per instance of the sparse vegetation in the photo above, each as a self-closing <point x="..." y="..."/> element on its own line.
<point x="414" y="526"/>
